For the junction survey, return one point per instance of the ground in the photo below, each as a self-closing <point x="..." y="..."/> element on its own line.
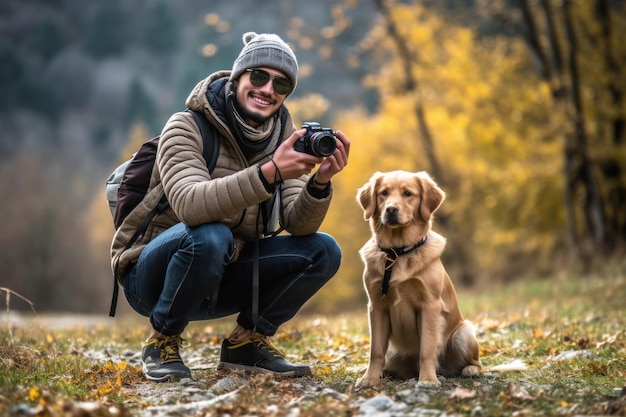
<point x="549" y="347"/>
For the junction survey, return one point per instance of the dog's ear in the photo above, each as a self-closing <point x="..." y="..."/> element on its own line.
<point x="432" y="196"/>
<point x="366" y="196"/>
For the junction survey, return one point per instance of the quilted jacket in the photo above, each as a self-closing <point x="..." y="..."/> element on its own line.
<point x="230" y="194"/>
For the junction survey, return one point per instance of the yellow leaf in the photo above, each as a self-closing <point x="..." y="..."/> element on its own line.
<point x="108" y="368"/>
<point x="105" y="389"/>
<point x="34" y="393"/>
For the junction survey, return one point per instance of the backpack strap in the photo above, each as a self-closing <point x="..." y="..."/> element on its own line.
<point x="210" y="151"/>
<point x="210" y="144"/>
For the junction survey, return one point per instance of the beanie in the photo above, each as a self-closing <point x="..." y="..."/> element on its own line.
<point x="265" y="50"/>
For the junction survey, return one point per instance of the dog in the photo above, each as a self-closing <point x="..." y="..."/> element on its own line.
<point x="416" y="328"/>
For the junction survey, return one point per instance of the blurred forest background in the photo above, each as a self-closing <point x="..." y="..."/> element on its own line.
<point x="516" y="108"/>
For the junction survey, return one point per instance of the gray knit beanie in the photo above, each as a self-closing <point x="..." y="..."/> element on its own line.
<point x="266" y="50"/>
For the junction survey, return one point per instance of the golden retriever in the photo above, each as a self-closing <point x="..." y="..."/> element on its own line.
<point x="416" y="328"/>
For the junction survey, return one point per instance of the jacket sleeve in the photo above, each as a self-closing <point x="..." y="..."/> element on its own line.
<point x="302" y="213"/>
<point x="195" y="197"/>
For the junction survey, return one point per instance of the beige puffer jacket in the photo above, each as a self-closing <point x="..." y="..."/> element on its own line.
<point x="230" y="194"/>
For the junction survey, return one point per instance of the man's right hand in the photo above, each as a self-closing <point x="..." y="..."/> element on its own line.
<point x="287" y="163"/>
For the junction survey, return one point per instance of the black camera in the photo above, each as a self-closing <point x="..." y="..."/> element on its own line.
<point x="318" y="141"/>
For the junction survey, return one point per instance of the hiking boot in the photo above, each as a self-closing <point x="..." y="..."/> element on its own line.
<point x="256" y="354"/>
<point x="161" y="360"/>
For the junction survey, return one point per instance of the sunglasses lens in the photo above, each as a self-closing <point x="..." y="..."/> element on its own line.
<point x="282" y="85"/>
<point x="259" y="78"/>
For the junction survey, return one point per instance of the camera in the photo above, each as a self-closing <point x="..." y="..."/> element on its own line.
<point x="318" y="141"/>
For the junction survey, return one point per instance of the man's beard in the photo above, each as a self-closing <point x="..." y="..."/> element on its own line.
<point x="249" y="115"/>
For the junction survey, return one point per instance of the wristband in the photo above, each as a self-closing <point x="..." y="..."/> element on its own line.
<point x="321" y="184"/>
<point x="278" y="178"/>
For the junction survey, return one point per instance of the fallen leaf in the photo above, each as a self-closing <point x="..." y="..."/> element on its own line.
<point x="516" y="365"/>
<point x="570" y="355"/>
<point x="598" y="369"/>
<point x="608" y="340"/>
<point x="463" y="393"/>
<point x="34" y="394"/>
<point x="518" y="392"/>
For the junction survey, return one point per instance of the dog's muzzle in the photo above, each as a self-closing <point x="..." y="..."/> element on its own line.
<point x="390" y="216"/>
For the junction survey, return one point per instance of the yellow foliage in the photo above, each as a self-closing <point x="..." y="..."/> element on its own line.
<point x="105" y="389"/>
<point x="109" y="368"/>
<point x="488" y="119"/>
<point x="493" y="130"/>
<point x="309" y="108"/>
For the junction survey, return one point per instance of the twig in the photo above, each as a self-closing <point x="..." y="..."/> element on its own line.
<point x="8" y="299"/>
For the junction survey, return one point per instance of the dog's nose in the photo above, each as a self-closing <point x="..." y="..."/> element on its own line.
<point x="392" y="211"/>
<point x="391" y="215"/>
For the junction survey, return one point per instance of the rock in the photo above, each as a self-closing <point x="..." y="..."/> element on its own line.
<point x="227" y="384"/>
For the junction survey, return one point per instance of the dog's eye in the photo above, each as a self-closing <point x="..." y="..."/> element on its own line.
<point x="384" y="192"/>
<point x="407" y="193"/>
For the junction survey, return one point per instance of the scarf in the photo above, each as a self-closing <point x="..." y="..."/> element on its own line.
<point x="253" y="141"/>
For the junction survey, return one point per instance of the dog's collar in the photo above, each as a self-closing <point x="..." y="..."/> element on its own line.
<point x="391" y="257"/>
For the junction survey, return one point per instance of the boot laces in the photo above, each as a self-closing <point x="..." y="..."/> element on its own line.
<point x="264" y="343"/>
<point x="169" y="348"/>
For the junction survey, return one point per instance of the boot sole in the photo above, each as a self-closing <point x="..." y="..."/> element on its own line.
<point x="164" y="378"/>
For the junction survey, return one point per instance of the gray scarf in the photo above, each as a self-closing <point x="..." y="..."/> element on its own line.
<point x="256" y="143"/>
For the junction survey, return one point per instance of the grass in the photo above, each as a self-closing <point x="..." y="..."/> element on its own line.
<point x="45" y="368"/>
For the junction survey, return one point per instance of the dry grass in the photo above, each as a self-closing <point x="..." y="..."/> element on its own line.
<point x="47" y="368"/>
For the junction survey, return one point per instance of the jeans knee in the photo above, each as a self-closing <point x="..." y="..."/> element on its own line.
<point x="331" y="252"/>
<point x="210" y="238"/>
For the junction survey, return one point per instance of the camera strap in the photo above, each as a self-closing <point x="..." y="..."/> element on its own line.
<point x="270" y="211"/>
<point x="255" y="283"/>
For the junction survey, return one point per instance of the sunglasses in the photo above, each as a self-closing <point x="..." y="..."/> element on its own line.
<point x="259" y="78"/>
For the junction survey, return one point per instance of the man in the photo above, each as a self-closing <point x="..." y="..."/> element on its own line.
<point x="198" y="258"/>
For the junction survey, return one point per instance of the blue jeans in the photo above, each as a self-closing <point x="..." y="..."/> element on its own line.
<point x="177" y="275"/>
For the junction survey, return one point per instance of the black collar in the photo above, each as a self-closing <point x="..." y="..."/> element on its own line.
<point x="391" y="257"/>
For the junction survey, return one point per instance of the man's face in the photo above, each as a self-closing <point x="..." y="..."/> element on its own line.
<point x="257" y="103"/>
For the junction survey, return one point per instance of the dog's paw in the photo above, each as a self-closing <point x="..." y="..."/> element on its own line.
<point x="369" y="381"/>
<point x="428" y="383"/>
<point x="470" y="371"/>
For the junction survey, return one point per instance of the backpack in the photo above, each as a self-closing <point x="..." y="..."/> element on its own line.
<point x="128" y="184"/>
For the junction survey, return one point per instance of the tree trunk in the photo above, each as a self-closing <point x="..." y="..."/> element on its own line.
<point x="613" y="168"/>
<point x="553" y="72"/>
<point x="594" y="205"/>
<point x="462" y="254"/>
<point x="411" y="86"/>
<point x="578" y="166"/>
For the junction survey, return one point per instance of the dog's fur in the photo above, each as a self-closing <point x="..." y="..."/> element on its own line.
<point x="416" y="329"/>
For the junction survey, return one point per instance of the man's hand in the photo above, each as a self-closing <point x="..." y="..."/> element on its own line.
<point x="335" y="162"/>
<point x="287" y="163"/>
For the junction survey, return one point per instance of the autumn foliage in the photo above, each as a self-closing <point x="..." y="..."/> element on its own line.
<point x="515" y="108"/>
<point x="477" y="113"/>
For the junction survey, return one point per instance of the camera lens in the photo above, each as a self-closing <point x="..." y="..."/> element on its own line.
<point x="323" y="144"/>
